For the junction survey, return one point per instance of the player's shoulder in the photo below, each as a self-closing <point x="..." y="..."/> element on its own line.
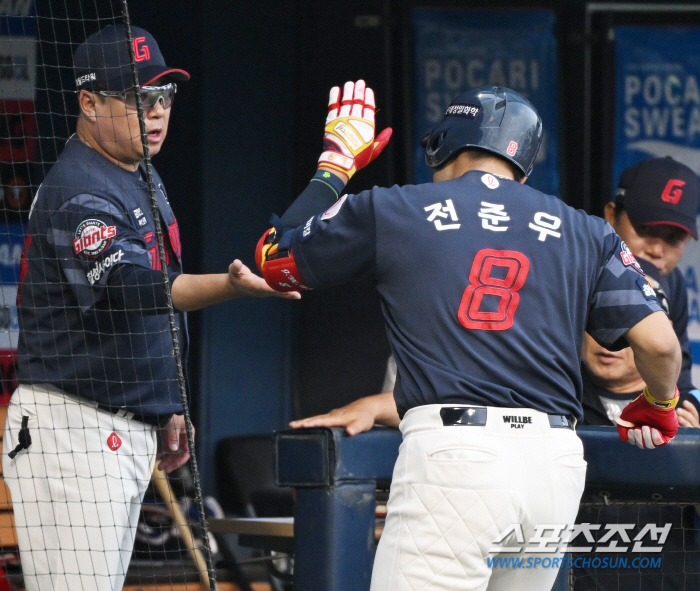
<point x="82" y="177"/>
<point x="578" y="219"/>
<point x="676" y="283"/>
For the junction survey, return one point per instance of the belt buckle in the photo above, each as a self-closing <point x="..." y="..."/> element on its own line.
<point x="461" y="416"/>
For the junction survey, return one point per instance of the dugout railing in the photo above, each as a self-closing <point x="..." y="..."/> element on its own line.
<point x="335" y="478"/>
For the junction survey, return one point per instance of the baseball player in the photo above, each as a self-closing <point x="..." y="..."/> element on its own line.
<point x="654" y="212"/>
<point x="487" y="287"/>
<point x="98" y="392"/>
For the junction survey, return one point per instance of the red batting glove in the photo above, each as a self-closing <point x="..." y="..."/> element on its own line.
<point x="648" y="422"/>
<point x="349" y="143"/>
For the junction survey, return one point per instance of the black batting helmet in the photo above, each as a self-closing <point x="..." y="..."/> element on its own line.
<point x="492" y="118"/>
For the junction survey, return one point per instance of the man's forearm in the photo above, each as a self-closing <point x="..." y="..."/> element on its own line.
<point x="193" y="292"/>
<point x="321" y="193"/>
<point x="657" y="354"/>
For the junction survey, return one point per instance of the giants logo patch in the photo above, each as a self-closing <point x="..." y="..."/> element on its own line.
<point x="673" y="192"/>
<point x="629" y="260"/>
<point x="114" y="442"/>
<point x="92" y="237"/>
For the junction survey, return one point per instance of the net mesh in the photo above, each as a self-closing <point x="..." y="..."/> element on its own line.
<point x="90" y="342"/>
<point x="676" y="565"/>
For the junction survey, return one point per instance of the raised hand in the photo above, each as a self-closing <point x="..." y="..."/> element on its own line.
<point x="349" y="143"/>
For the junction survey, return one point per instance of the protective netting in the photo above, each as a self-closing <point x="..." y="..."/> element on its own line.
<point x="650" y="545"/>
<point x="90" y="342"/>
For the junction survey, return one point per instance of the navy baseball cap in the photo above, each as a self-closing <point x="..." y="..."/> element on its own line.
<point x="660" y="191"/>
<point x="102" y="61"/>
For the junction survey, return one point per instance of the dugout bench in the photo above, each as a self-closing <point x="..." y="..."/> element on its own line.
<point x="335" y="478"/>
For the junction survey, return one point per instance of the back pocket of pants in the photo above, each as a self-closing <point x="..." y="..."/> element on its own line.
<point x="461" y="454"/>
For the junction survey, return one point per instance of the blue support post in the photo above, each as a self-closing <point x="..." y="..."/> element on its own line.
<point x="335" y="477"/>
<point x="339" y="557"/>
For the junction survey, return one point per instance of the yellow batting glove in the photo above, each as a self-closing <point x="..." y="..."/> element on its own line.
<point x="349" y="143"/>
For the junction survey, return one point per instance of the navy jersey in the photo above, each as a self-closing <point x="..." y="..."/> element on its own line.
<point x="90" y="216"/>
<point x="487" y="287"/>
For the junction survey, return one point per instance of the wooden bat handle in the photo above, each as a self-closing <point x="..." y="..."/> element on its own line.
<point x="160" y="479"/>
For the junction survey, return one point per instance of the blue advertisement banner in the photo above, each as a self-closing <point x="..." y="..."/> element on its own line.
<point x="456" y="50"/>
<point x="18" y="18"/>
<point x="657" y="95"/>
<point x="11" y="241"/>
<point x="658" y="114"/>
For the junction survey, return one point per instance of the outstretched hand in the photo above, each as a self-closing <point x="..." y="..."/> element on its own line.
<point x="356" y="417"/>
<point x="247" y="283"/>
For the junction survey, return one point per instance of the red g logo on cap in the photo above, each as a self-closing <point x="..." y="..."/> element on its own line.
<point x="141" y="52"/>
<point x="673" y="193"/>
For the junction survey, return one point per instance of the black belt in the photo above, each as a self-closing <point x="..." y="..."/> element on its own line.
<point x="476" y="416"/>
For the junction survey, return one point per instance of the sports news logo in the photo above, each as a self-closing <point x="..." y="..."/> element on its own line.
<point x="141" y="52"/>
<point x="92" y="237"/>
<point x="673" y="192"/>
<point x="463" y="110"/>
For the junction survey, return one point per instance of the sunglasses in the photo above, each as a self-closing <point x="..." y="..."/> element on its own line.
<point x="150" y="96"/>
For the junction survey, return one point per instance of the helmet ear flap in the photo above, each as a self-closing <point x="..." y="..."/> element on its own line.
<point x="425" y="139"/>
<point x="433" y="144"/>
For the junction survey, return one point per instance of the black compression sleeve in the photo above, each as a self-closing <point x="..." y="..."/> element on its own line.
<point x="132" y="287"/>
<point x="322" y="192"/>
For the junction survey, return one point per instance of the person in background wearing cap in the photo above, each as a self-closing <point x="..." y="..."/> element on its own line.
<point x="655" y="212"/>
<point x="98" y="396"/>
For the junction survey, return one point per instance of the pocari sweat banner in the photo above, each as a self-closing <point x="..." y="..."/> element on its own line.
<point x="456" y="50"/>
<point x="658" y="114"/>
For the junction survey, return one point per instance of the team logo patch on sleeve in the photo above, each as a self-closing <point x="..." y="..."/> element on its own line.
<point x="648" y="291"/>
<point x="92" y="237"/>
<point x="334" y="209"/>
<point x="629" y="260"/>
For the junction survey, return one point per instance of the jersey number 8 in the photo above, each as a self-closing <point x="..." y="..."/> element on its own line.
<point x="496" y="273"/>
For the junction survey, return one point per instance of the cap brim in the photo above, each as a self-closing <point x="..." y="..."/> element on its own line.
<point x="147" y="75"/>
<point x="175" y="74"/>
<point x="692" y="231"/>
<point x="657" y="216"/>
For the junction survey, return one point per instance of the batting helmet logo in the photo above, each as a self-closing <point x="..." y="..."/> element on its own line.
<point x="114" y="442"/>
<point x="487" y="118"/>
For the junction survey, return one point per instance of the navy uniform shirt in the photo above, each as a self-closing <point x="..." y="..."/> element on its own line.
<point x="487" y="287"/>
<point x="90" y="216"/>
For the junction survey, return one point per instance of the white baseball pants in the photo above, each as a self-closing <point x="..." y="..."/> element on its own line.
<point x="76" y="491"/>
<point x="456" y="488"/>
